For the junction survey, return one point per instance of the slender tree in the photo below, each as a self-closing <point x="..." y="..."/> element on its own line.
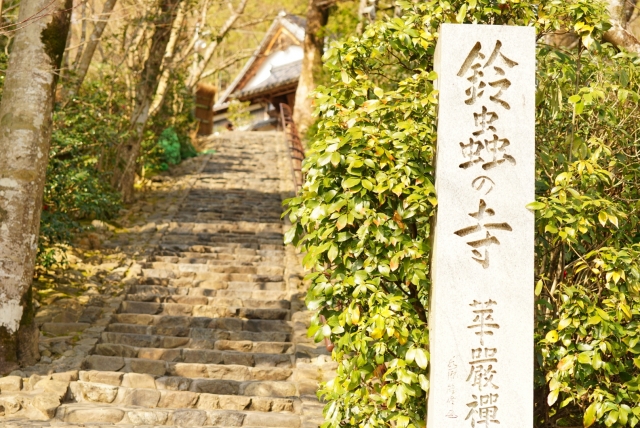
<point x="26" y="117"/>
<point x="127" y="156"/>
<point x="84" y="60"/>
<point x="317" y="16"/>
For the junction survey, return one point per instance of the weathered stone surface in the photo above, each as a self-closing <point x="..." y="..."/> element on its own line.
<point x="151" y="367"/>
<point x="97" y="392"/>
<point x="145" y="417"/>
<point x="10" y="384"/>
<point x="481" y="317"/>
<point x="173" y="383"/>
<point x="102" y="363"/>
<point x="177" y="399"/>
<point x="108" y="415"/>
<point x="138" y="380"/>
<point x="271" y="420"/>
<point x="161" y="354"/>
<point x="110" y="378"/>
<point x="55" y="388"/>
<point x="70" y="376"/>
<point x="190" y="418"/>
<point x="115" y="350"/>
<point x="215" y="386"/>
<point x="148" y="398"/>
<point x="225" y="418"/>
<point x="269" y="389"/>
<point x="64" y="328"/>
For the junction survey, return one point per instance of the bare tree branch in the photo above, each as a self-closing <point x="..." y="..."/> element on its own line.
<point x="197" y="71"/>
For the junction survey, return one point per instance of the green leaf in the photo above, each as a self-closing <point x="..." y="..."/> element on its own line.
<point x="379" y="92"/>
<point x="564" y="323"/>
<point x="411" y="355"/>
<point x="584" y="357"/>
<point x="345" y="77"/>
<point x="289" y="235"/>
<point x="342" y="222"/>
<point x="574" y="99"/>
<point x="553" y="397"/>
<point x="424" y="383"/>
<point x="602" y="217"/>
<point x="535" y="205"/>
<point x="461" y="13"/>
<point x="612" y="418"/>
<point x="552" y="336"/>
<point x="333" y="252"/>
<point x="538" y="289"/>
<point x="421" y="358"/>
<point x="590" y="415"/>
<point x="350" y="182"/>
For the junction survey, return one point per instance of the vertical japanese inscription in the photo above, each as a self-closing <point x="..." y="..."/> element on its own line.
<point x="483" y="409"/>
<point x="452" y="371"/>
<point x="487" y="148"/>
<point x="481" y="310"/>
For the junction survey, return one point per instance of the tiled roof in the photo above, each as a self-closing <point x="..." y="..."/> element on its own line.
<point x="293" y="23"/>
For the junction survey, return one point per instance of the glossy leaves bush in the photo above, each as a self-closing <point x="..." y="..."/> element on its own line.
<point x="364" y="215"/>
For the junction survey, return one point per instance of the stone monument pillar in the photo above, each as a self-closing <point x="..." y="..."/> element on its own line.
<point x="482" y="299"/>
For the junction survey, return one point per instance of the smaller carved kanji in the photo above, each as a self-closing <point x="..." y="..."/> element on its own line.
<point x="483" y="322"/>
<point x="481" y="376"/>
<point x="483" y="410"/>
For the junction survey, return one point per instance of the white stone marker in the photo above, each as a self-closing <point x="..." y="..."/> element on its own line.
<point x="482" y="300"/>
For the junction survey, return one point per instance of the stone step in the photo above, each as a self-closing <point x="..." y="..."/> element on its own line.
<point x="190" y="240"/>
<point x="231" y="353"/>
<point x="235" y="372"/>
<point x="179" y="335"/>
<point x="229" y="234"/>
<point x="217" y="301"/>
<point x="212" y="276"/>
<point x="208" y="372"/>
<point x="210" y="252"/>
<point x="162" y="393"/>
<point x="121" y="415"/>
<point x="178" y="309"/>
<point x="222" y="323"/>
<point x="214" y="285"/>
<point x="161" y="290"/>
<point x="200" y="338"/>
<point x="220" y="259"/>
<point x="181" y="268"/>
<point x="224" y="227"/>
<point x="203" y="248"/>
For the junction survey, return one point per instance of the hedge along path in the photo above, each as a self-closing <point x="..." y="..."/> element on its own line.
<point x="210" y="329"/>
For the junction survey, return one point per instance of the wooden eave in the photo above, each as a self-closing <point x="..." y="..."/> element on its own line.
<point x="268" y="50"/>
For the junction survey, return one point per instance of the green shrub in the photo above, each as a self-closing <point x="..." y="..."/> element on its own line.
<point x="363" y="216"/>
<point x="85" y="136"/>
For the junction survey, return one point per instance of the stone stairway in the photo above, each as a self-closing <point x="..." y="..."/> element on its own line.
<point x="211" y="328"/>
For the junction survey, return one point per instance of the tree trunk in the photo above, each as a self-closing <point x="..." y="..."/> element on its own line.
<point x="618" y="34"/>
<point x="311" y="65"/>
<point x="163" y="84"/>
<point x="25" y="117"/>
<point x="82" y="65"/>
<point x="127" y="156"/>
